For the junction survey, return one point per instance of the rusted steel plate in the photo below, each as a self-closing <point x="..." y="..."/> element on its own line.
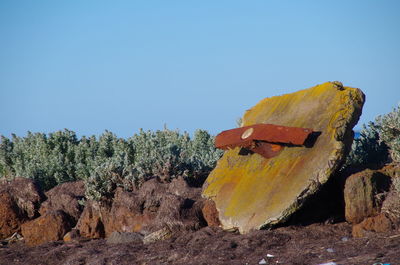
<point x="267" y="150"/>
<point x="245" y="136"/>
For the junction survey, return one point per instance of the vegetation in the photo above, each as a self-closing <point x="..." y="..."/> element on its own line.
<point x="390" y="133"/>
<point x="107" y="162"/>
<point x="368" y="150"/>
<point x="379" y="142"/>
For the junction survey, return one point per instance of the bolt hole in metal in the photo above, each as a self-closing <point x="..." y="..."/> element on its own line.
<point x="247" y="133"/>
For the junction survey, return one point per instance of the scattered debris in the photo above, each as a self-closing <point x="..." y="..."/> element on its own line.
<point x="124" y="237"/>
<point x="263" y="261"/>
<point x="159" y="235"/>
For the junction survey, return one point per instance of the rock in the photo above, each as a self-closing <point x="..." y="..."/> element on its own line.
<point x="25" y="193"/>
<point x="74" y="188"/>
<point x="72" y="236"/>
<point x="159" y="235"/>
<point x="146" y="210"/>
<point x="128" y="213"/>
<point x="380" y="223"/>
<point x="10" y="216"/>
<point x="252" y="192"/>
<point x="178" y="212"/>
<point x="391" y="206"/>
<point x="93" y="220"/>
<point x="124" y="237"/>
<point x="360" y="194"/>
<point x="179" y="187"/>
<point x="65" y="197"/>
<point x="155" y="206"/>
<point x="19" y="201"/>
<point x="170" y="212"/>
<point x="330" y="250"/>
<point x="263" y="261"/>
<point x="210" y="213"/>
<point x="50" y="227"/>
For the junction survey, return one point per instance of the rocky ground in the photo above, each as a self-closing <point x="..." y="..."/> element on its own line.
<point x="312" y="244"/>
<point x="170" y="223"/>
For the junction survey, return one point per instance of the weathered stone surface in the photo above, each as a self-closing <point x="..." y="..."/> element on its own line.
<point x="72" y="236"/>
<point x="93" y="220"/>
<point x="74" y="188"/>
<point x="149" y="209"/>
<point x="50" y="227"/>
<point x="25" y="193"/>
<point x="391" y="206"/>
<point x="380" y="223"/>
<point x="179" y="187"/>
<point x="124" y="237"/>
<point x="361" y="195"/>
<point x="65" y="197"/>
<point x="210" y="213"/>
<point x="127" y="213"/>
<point x="19" y="202"/>
<point x="10" y="216"/>
<point x="158" y="235"/>
<point x="252" y="192"/>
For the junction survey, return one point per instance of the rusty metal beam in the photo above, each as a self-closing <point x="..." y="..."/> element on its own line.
<point x="265" y="139"/>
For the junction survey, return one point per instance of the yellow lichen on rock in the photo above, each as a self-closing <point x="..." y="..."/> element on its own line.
<point x="251" y="192"/>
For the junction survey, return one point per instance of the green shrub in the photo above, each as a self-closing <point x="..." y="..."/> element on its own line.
<point x="368" y="150"/>
<point x="390" y="132"/>
<point x="379" y="142"/>
<point x="167" y="154"/>
<point x="108" y="162"/>
<point x="6" y="161"/>
<point x="47" y="159"/>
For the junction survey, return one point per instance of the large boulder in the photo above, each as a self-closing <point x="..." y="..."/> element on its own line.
<point x="93" y="219"/>
<point x="26" y="193"/>
<point x="65" y="197"/>
<point x="10" y="216"/>
<point x="50" y="227"/>
<point x="363" y="194"/>
<point x="252" y="192"/>
<point x="151" y="208"/>
<point x="379" y="223"/>
<point x="19" y="202"/>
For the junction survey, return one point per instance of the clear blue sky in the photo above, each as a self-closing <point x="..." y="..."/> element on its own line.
<point x="124" y="65"/>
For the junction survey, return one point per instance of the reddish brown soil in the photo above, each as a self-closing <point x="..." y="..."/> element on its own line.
<point x="313" y="244"/>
